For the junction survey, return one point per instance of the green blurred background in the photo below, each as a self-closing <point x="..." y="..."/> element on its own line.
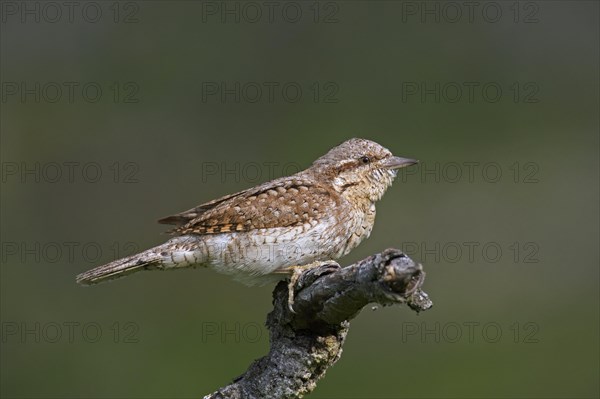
<point x="163" y="144"/>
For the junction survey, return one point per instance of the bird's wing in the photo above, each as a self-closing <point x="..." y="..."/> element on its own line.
<point x="182" y="218"/>
<point x="280" y="203"/>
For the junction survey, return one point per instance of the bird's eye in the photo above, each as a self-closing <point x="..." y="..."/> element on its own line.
<point x="365" y="159"/>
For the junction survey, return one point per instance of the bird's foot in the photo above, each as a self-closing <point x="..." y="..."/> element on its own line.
<point x="309" y="274"/>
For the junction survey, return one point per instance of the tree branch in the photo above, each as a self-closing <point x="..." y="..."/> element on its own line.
<point x="306" y="343"/>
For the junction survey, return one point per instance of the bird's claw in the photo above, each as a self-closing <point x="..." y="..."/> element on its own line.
<point x="298" y="271"/>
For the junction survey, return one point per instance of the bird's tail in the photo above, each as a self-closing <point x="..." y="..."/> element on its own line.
<point x="149" y="259"/>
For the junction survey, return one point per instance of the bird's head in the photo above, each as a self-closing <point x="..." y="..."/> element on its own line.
<point x="361" y="168"/>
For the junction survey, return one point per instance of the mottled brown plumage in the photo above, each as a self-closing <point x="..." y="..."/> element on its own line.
<point x="283" y="202"/>
<point x="261" y="233"/>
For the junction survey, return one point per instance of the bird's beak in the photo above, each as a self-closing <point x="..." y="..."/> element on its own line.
<point x="397" y="162"/>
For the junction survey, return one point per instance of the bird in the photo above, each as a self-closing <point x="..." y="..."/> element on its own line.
<point x="275" y="230"/>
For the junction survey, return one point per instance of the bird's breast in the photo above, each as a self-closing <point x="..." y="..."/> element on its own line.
<point x="250" y="255"/>
<point x="358" y="228"/>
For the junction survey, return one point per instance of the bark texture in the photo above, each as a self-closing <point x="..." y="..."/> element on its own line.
<point x="305" y="343"/>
